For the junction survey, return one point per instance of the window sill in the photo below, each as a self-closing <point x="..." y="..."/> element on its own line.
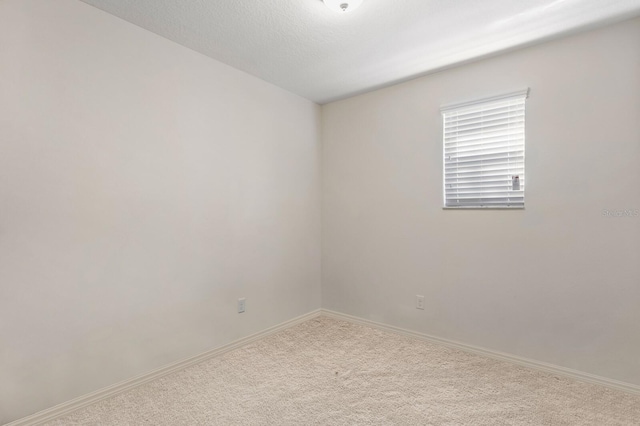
<point x="483" y="208"/>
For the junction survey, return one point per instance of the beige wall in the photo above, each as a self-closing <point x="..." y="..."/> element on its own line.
<point x="557" y="282"/>
<point x="143" y="189"/>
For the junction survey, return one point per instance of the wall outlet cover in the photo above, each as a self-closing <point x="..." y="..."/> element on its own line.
<point x="419" y="302"/>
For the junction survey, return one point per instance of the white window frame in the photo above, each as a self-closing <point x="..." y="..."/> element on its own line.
<point x="483" y="147"/>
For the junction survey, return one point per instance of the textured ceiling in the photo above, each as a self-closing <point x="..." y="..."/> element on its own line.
<point x="302" y="46"/>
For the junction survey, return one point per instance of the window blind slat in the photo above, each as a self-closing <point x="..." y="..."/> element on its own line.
<point x="471" y="137"/>
<point x="484" y="194"/>
<point x="500" y="205"/>
<point x="469" y="134"/>
<point x="501" y="120"/>
<point x="465" y="186"/>
<point x="478" y="141"/>
<point x="490" y="127"/>
<point x="486" y="200"/>
<point x="491" y="155"/>
<point x="485" y="115"/>
<point x="490" y="170"/>
<point x="490" y="112"/>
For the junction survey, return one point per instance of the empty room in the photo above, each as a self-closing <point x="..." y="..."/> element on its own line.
<point x="319" y="212"/>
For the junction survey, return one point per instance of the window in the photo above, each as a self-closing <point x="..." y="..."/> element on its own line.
<point x="483" y="145"/>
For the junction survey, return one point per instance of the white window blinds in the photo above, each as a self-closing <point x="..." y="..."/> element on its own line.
<point x="484" y="152"/>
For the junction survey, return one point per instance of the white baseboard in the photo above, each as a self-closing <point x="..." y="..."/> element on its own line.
<point x="530" y="363"/>
<point x="110" y="391"/>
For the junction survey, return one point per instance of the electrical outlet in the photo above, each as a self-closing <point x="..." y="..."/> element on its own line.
<point x="241" y="305"/>
<point x="419" y="302"/>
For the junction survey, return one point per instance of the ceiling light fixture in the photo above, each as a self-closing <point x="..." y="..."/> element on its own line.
<point x="342" y="5"/>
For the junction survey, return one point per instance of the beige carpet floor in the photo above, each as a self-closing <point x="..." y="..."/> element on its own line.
<point x="330" y="372"/>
